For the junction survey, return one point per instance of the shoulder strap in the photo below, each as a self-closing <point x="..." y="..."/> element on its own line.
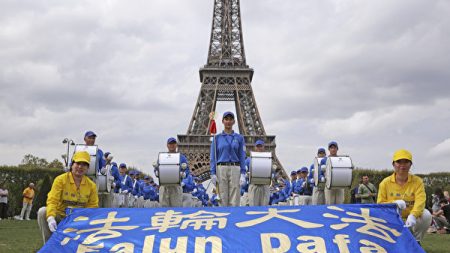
<point x="368" y="188"/>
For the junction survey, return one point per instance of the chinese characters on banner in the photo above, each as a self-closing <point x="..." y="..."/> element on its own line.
<point x="340" y="228"/>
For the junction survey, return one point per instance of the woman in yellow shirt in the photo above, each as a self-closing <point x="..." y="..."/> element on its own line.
<point x="69" y="190"/>
<point x="28" y="196"/>
<point x="408" y="192"/>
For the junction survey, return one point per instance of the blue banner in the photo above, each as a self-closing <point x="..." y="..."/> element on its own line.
<point x="340" y="228"/>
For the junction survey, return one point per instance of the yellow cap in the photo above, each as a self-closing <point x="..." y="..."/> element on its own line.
<point x="81" y="156"/>
<point x="402" y="154"/>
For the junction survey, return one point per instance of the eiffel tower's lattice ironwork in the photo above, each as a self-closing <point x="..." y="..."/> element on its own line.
<point x="225" y="77"/>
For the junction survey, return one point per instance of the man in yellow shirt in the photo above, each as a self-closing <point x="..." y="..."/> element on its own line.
<point x="72" y="189"/>
<point x="408" y="192"/>
<point x="28" y="196"/>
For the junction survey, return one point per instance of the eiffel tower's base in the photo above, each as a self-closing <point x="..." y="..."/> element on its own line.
<point x="197" y="149"/>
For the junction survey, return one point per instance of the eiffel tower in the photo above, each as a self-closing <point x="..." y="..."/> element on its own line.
<point x="225" y="77"/>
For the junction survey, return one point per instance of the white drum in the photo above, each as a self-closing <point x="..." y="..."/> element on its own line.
<point x="169" y="168"/>
<point x="102" y="183"/>
<point x="320" y="185"/>
<point x="260" y="168"/>
<point x="92" y="150"/>
<point x="339" y="172"/>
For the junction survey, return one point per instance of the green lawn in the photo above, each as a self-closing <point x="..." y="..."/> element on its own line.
<point x="24" y="236"/>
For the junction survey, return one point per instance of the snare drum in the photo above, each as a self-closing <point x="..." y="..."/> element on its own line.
<point x="92" y="150"/>
<point x="260" y="168"/>
<point x="317" y="170"/>
<point x="169" y="168"/>
<point x="339" y="172"/>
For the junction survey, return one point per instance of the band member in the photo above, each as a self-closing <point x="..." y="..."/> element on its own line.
<point x="69" y="190"/>
<point x="228" y="161"/>
<point x="258" y="194"/>
<point x="304" y="187"/>
<point x="89" y="140"/>
<point x="318" y="195"/>
<point x="336" y="195"/>
<point x="172" y="195"/>
<point x="126" y="183"/>
<point x="408" y="192"/>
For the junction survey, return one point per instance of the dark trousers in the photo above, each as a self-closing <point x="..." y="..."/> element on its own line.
<point x="3" y="210"/>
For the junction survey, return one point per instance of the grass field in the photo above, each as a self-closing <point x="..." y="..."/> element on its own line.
<point x="24" y="237"/>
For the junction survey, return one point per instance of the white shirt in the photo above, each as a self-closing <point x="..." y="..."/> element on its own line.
<point x="3" y="199"/>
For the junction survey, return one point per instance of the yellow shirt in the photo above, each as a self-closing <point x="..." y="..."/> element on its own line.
<point x="28" y="195"/>
<point x="413" y="193"/>
<point x="64" y="194"/>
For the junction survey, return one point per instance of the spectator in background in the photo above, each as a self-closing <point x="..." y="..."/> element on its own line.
<point x="367" y="191"/>
<point x="441" y="217"/>
<point x="446" y="196"/>
<point x="28" y="196"/>
<point x="436" y="197"/>
<point x="3" y="202"/>
<point x="354" y="197"/>
<point x="444" y="212"/>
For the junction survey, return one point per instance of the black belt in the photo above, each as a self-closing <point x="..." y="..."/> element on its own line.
<point x="229" y="164"/>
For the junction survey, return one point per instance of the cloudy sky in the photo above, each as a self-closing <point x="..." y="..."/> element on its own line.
<point x="372" y="75"/>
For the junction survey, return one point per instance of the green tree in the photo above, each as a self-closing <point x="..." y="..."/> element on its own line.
<point x="55" y="164"/>
<point x="30" y="160"/>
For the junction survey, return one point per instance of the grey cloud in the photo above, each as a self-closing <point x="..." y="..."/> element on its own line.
<point x="130" y="73"/>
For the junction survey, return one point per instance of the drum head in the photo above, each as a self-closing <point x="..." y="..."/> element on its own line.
<point x="169" y="158"/>
<point x="316" y="169"/>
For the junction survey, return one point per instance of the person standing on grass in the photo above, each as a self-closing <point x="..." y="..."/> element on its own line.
<point x="28" y="196"/>
<point x="3" y="202"/>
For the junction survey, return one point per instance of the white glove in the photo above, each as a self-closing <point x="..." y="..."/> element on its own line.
<point x="182" y="184"/>
<point x="113" y="185"/>
<point x="213" y="179"/>
<point x="103" y="171"/>
<point x="125" y="192"/>
<point x="311" y="181"/>
<point x="322" y="179"/>
<point x="136" y="197"/>
<point x="410" y="221"/>
<point x="401" y="204"/>
<point x="195" y="190"/>
<point x="183" y="174"/>
<point x="242" y="180"/>
<point x="52" y="223"/>
<point x="303" y="185"/>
